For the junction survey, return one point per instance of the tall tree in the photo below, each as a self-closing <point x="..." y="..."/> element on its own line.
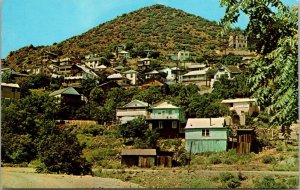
<point x="274" y="78"/>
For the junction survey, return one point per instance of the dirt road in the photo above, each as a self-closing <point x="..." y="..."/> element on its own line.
<point x="26" y="178"/>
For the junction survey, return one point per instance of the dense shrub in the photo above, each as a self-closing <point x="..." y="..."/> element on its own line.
<point x="268" y="182"/>
<point x="228" y="180"/>
<point x="268" y="159"/>
<point x="215" y="160"/>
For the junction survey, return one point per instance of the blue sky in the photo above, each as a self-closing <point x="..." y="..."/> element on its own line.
<point x="43" y="22"/>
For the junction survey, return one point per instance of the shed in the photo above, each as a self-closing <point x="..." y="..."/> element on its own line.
<point x="144" y="158"/>
<point x="245" y="141"/>
<point x="206" y="135"/>
<point x="164" y="158"/>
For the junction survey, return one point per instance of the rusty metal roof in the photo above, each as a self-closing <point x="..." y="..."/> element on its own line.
<point x="139" y="152"/>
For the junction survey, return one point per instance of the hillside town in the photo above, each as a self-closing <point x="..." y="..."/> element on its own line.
<point x="124" y="108"/>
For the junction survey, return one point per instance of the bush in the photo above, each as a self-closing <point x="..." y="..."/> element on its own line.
<point x="268" y="159"/>
<point x="215" y="160"/>
<point x="268" y="182"/>
<point x="228" y="180"/>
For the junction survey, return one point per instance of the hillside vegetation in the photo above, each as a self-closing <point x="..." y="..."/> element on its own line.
<point x="157" y="27"/>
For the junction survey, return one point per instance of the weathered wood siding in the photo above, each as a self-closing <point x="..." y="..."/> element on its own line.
<point x="244" y="142"/>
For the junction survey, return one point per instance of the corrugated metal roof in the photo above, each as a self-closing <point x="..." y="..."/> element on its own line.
<point x="196" y="66"/>
<point x="237" y="100"/>
<point x="130" y="71"/>
<point x="192" y="73"/>
<point x="69" y="90"/>
<point x="115" y="76"/>
<point x="163" y="104"/>
<point x="195" y="123"/>
<point x="232" y="69"/>
<point x="136" y="103"/>
<point x="10" y="85"/>
<point x="139" y="152"/>
<point x="153" y="72"/>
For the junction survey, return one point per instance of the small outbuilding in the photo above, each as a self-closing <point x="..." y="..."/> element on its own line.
<point x="144" y="158"/>
<point x="246" y="141"/>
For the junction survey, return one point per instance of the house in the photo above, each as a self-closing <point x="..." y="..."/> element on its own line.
<point x="197" y="67"/>
<point x="195" y="76"/>
<point x="154" y="82"/>
<point x="119" y="68"/>
<point x="230" y="71"/>
<point x="119" y="79"/>
<point x="77" y="74"/>
<point x="206" y="135"/>
<point x="109" y="85"/>
<point x="132" y="110"/>
<point x="67" y="96"/>
<point x="144" y="158"/>
<point x="177" y="73"/>
<point x="183" y="55"/>
<point x="10" y="91"/>
<point x="153" y="75"/>
<point x="132" y="76"/>
<point x="168" y="119"/>
<point x="170" y="75"/>
<point x="94" y="62"/>
<point x="242" y="106"/>
<point x="123" y="54"/>
<point x="238" y="42"/>
<point x="143" y="63"/>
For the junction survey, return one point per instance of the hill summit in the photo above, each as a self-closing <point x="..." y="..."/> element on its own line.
<point x="156" y="27"/>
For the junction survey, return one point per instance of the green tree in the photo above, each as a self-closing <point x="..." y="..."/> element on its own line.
<point x="60" y="151"/>
<point x="274" y="72"/>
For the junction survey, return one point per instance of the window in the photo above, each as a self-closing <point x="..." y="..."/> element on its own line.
<point x="174" y="124"/>
<point x="160" y="125"/>
<point x="205" y="132"/>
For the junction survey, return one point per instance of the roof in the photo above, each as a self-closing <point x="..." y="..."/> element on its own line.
<point x="237" y="100"/>
<point x="176" y="69"/>
<point x="232" y="69"/>
<point x="130" y="71"/>
<point x="13" y="85"/>
<point x="196" y="66"/>
<point x="87" y="70"/>
<point x="153" y="82"/>
<point x="115" y="76"/>
<point x="119" y="67"/>
<point x="163" y="104"/>
<point x="102" y="67"/>
<point x="191" y="73"/>
<point x="136" y="103"/>
<point x="69" y="91"/>
<point x="152" y="72"/>
<point x="139" y="152"/>
<point x="145" y="59"/>
<point x="123" y="52"/>
<point x="196" y="123"/>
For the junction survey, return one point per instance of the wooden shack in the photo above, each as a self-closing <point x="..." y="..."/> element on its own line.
<point x="144" y="158"/>
<point x="164" y="158"/>
<point x="245" y="141"/>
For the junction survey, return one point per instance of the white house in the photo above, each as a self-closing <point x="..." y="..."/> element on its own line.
<point x="183" y="55"/>
<point x="242" y="105"/>
<point x="198" y="75"/>
<point x="228" y="70"/>
<point x="123" y="54"/>
<point x="132" y="110"/>
<point x="132" y="76"/>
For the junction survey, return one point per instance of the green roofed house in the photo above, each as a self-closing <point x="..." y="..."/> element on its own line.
<point x="67" y="96"/>
<point x="206" y="135"/>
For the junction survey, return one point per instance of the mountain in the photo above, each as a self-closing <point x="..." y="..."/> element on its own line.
<point x="157" y="27"/>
